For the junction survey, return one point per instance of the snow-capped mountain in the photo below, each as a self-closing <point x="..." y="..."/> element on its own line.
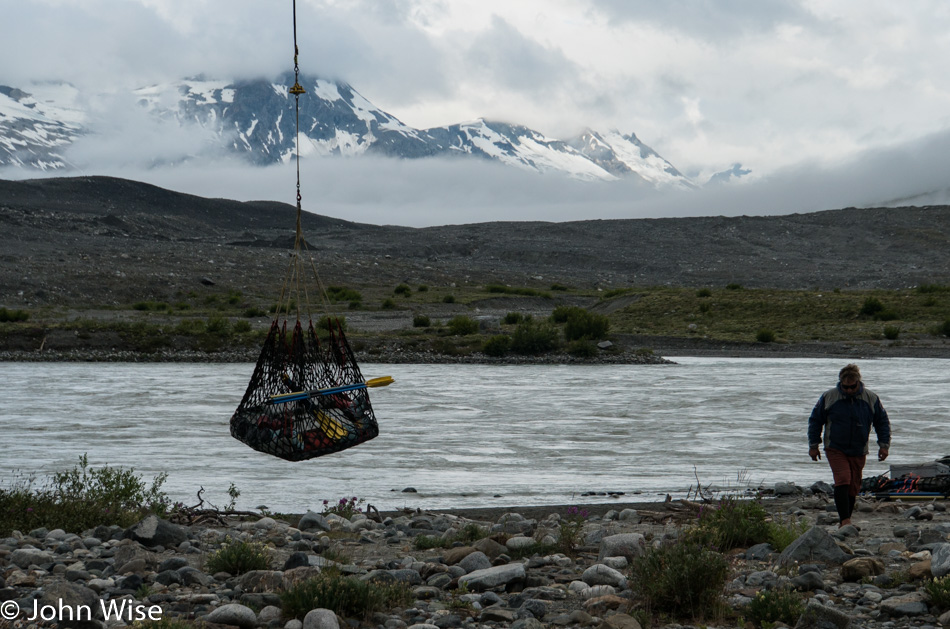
<point x="256" y="120"/>
<point x="36" y="126"/>
<point x="516" y="146"/>
<point x="625" y="155"/>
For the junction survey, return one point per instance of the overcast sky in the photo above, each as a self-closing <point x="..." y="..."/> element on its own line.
<point x="827" y="102"/>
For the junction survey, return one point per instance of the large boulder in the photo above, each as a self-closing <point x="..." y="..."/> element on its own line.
<point x="818" y="616"/>
<point x="80" y="605"/>
<point x="859" y="568"/>
<point x="629" y="545"/>
<point x="940" y="560"/>
<point x="313" y="521"/>
<point x="154" y="531"/>
<point x="490" y="578"/>
<point x="815" y="545"/>
<point x="321" y="619"/>
<point x="233" y="614"/>
<point x="599" y="574"/>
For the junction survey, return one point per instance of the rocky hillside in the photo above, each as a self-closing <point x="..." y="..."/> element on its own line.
<point x="101" y="240"/>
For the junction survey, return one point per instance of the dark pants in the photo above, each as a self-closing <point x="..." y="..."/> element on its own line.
<point x="847" y="472"/>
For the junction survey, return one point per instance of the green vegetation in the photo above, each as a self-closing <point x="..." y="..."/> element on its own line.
<point x="346" y="596"/>
<point x="765" y="335"/>
<point x="683" y="579"/>
<point x="508" y="290"/>
<point x="224" y="320"/>
<point x="779" y="605"/>
<point x="514" y="318"/>
<point x="462" y="325"/>
<point x="7" y="316"/>
<point x="938" y="590"/>
<point x="497" y="345"/>
<point x="80" y="499"/>
<point x="793" y="316"/>
<point x="466" y="535"/>
<point x="735" y="523"/>
<point x="531" y="338"/>
<point x="237" y="557"/>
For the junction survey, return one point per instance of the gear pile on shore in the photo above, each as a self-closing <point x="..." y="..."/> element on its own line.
<point x="868" y="578"/>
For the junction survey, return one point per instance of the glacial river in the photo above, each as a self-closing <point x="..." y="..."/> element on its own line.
<point x="468" y="435"/>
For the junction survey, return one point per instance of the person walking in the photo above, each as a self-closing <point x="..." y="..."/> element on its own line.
<point x="846" y="415"/>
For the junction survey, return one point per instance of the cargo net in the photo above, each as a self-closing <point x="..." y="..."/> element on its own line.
<point x="329" y="412"/>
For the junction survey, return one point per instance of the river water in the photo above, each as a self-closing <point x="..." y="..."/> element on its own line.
<point x="468" y="435"/>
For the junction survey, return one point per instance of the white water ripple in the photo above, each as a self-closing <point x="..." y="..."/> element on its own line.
<point x="468" y="435"/>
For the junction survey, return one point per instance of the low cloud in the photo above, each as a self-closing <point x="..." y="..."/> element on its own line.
<point x="457" y="191"/>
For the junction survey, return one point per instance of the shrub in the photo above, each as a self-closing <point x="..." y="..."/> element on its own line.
<point x="559" y="287"/>
<point x="944" y="329"/>
<point x="403" y="289"/>
<point x="218" y="326"/>
<point x="10" y="316"/>
<point x="508" y="290"/>
<point x="765" y="335"/>
<point x="682" y="578"/>
<point x="326" y="321"/>
<point x="80" y="499"/>
<point x="448" y="299"/>
<point x="241" y="327"/>
<point x="891" y="332"/>
<point x="939" y="592"/>
<point x="782" y="534"/>
<point x="582" y="324"/>
<point x="251" y="313"/>
<point x="238" y="557"/>
<point x="932" y="288"/>
<point x="561" y="313"/>
<point x="421" y="321"/>
<point x="571" y="530"/>
<point x="388" y="304"/>
<point x="705" y="307"/>
<point x="534" y="338"/>
<point x="462" y="325"/>
<point x="582" y="349"/>
<point x="497" y="346"/>
<point x="423" y="288"/>
<point x="871" y="306"/>
<point x="736" y="523"/>
<point x="346" y="596"/>
<point x="513" y="318"/>
<point x="886" y="315"/>
<point x="733" y="286"/>
<point x="342" y="293"/>
<point x="779" y="605"/>
<point x="466" y="535"/>
<point x="345" y="507"/>
<point x="704" y="292"/>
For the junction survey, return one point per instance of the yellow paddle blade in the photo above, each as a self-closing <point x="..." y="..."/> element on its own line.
<point x="382" y="381"/>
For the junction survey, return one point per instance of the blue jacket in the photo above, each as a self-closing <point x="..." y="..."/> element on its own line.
<point x="847" y="421"/>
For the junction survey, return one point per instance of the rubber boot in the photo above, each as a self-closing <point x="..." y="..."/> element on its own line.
<point x="842" y="502"/>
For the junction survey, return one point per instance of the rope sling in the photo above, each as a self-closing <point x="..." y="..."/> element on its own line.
<point x="306" y="397"/>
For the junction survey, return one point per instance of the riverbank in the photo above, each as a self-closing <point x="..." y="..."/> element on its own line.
<point x="629" y="349"/>
<point x="511" y="573"/>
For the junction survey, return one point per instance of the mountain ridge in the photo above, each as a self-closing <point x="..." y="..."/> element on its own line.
<point x="254" y="119"/>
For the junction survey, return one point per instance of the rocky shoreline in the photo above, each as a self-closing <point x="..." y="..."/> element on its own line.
<point x="869" y="575"/>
